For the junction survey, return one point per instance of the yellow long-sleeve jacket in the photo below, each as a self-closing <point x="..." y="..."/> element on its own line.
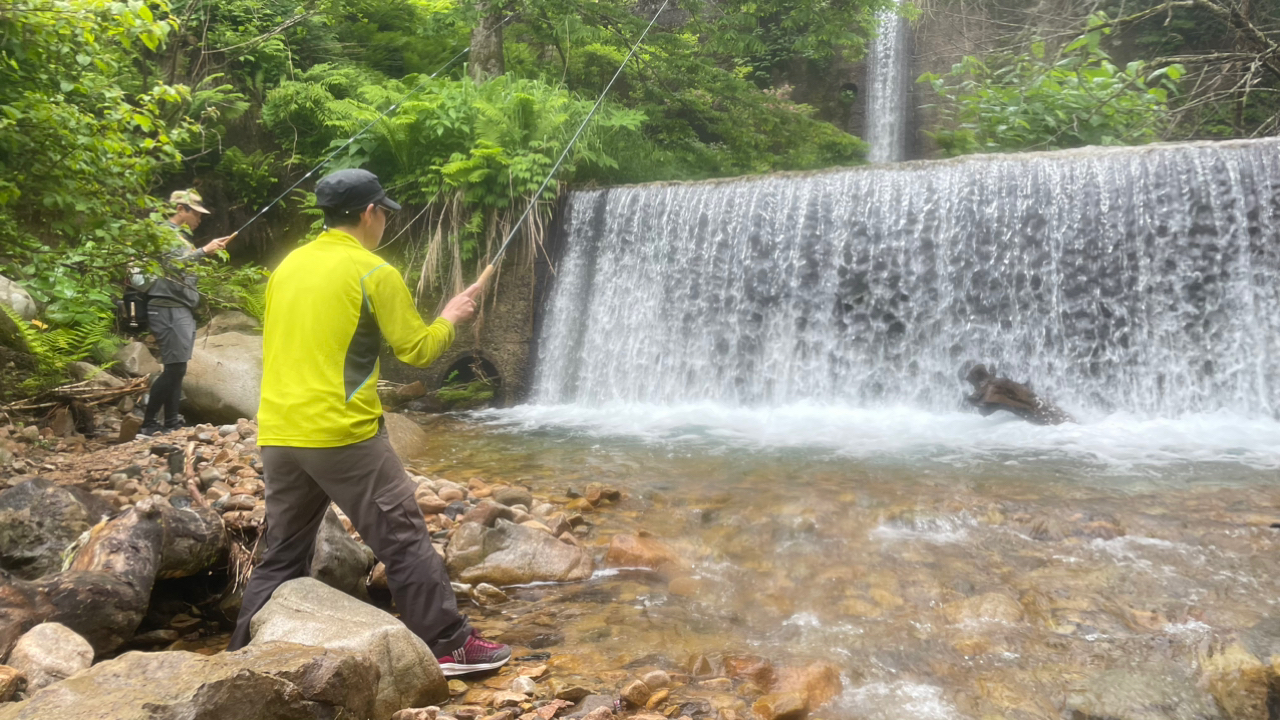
<point x="329" y="306"/>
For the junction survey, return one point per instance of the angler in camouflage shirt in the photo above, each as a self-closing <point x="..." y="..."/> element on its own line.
<point x="171" y="304"/>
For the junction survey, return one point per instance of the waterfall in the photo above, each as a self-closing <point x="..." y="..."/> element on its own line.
<point x="1143" y="279"/>
<point x="890" y="89"/>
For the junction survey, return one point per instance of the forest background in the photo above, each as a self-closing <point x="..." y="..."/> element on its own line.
<point x="107" y="106"/>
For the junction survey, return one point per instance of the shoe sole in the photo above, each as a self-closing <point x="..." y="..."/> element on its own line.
<point x="452" y="669"/>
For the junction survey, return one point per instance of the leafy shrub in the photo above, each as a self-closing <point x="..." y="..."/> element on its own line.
<point x="1038" y="101"/>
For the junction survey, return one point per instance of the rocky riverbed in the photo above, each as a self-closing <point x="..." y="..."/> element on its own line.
<point x="637" y="581"/>
<point x="63" y="495"/>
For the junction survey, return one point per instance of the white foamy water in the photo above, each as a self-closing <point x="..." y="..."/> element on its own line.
<point x="1120" y="442"/>
<point x="898" y="701"/>
<point x="1114" y="280"/>
<point x="941" y="530"/>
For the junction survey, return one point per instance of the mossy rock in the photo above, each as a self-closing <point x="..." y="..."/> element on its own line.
<point x="469" y="396"/>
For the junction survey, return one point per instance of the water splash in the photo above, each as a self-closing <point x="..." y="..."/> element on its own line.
<point x="1138" y="279"/>
<point x="895" y="700"/>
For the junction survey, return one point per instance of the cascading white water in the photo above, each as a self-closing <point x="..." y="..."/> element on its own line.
<point x="888" y="64"/>
<point x="1138" y="279"/>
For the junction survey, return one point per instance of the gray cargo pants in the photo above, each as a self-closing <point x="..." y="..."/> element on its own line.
<point x="368" y="482"/>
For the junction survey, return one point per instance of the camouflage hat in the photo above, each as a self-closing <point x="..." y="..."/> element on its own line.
<point x="190" y="198"/>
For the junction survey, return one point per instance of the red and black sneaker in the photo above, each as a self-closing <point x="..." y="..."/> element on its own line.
<point x="476" y="654"/>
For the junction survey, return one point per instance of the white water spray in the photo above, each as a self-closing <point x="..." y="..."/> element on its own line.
<point x="1140" y="280"/>
<point x="888" y="68"/>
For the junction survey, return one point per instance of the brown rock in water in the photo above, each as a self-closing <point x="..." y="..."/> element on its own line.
<point x="781" y="706"/>
<point x="656" y="679"/>
<point x="511" y="554"/>
<point x="412" y="391"/>
<point x="991" y="607"/>
<point x="645" y="552"/>
<point x="636" y="693"/>
<point x="572" y="693"/>
<point x="700" y="666"/>
<point x="749" y="667"/>
<point x="991" y="393"/>
<point x="818" y="683"/>
<point x="1239" y="681"/>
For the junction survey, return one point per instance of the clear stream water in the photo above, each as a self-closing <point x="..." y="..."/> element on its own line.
<point x="1122" y="548"/>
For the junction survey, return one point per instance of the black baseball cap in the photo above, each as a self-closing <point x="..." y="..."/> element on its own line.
<point x="348" y="190"/>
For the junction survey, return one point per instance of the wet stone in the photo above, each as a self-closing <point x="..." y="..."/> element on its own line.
<point x="572" y="693"/>
<point x="656" y="680"/>
<point x="636" y="693"/>
<point x="426" y="713"/>
<point x="12" y="681"/>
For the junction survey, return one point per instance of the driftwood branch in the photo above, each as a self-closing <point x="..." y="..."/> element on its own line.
<point x="104" y="594"/>
<point x="84" y="391"/>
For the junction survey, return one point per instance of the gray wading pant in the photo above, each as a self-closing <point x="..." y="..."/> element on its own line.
<point x="368" y="482"/>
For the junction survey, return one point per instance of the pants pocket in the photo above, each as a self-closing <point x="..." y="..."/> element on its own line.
<point x="401" y="519"/>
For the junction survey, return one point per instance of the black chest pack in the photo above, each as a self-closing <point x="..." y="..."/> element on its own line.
<point x="131" y="311"/>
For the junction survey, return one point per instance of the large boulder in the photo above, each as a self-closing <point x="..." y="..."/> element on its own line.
<point x="16" y="299"/>
<point x="307" y="611"/>
<point x="23" y="605"/>
<point x="407" y="438"/>
<point x="96" y="376"/>
<point x="223" y="378"/>
<point x="271" y="681"/>
<point x="510" y="554"/>
<point x="229" y="321"/>
<point x="136" y="360"/>
<point x="339" y="561"/>
<point x="38" y="522"/>
<point x="49" y="653"/>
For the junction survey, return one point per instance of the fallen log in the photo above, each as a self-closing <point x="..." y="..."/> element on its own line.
<point x="104" y="594"/>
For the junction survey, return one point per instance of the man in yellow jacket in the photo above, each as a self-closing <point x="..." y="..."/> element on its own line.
<point x="330" y="305"/>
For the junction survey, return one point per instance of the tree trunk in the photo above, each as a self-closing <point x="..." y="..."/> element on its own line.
<point x="486" y="43"/>
<point x="105" y="593"/>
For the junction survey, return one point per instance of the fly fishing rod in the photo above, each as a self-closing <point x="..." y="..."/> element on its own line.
<point x="493" y="264"/>
<point x="395" y="106"/>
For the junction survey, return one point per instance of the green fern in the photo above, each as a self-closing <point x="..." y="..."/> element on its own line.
<point x="55" y="349"/>
<point x="253" y="301"/>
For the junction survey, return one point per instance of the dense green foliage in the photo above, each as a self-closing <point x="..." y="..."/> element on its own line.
<point x="467" y="156"/>
<point x="82" y="137"/>
<point x="1143" y="70"/>
<point x="105" y="105"/>
<point x="1039" y="101"/>
<point x="53" y="349"/>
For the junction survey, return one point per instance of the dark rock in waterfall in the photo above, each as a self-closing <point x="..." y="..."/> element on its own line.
<point x="991" y="394"/>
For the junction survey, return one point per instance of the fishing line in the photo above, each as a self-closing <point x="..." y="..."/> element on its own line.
<point x="493" y="264"/>
<point x="364" y="129"/>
